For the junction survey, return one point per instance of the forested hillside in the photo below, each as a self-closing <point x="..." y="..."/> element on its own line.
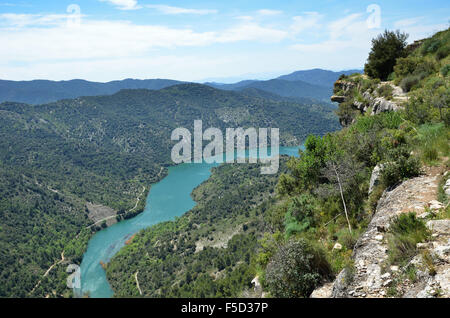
<point x="54" y="158"/>
<point x="317" y="76"/>
<point x="207" y="252"/>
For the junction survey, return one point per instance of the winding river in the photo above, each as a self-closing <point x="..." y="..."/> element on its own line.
<point x="169" y="198"/>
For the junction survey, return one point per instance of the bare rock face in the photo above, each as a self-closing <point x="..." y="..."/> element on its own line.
<point x="323" y="292"/>
<point x="380" y="105"/>
<point x="338" y="99"/>
<point x="436" y="283"/>
<point x="439" y="227"/>
<point x="370" y="100"/>
<point x="371" y="275"/>
<point x="447" y="188"/>
<point x="375" y="178"/>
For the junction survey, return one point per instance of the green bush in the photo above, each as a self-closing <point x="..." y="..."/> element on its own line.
<point x="445" y="70"/>
<point x="386" y="49"/>
<point x="443" y="52"/>
<point x="300" y="215"/>
<point x="404" y="233"/>
<point x="425" y="67"/>
<point x="296" y="269"/>
<point x="346" y="238"/>
<point x="405" y="66"/>
<point x="417" y="110"/>
<point x="409" y="82"/>
<point x="431" y="141"/>
<point x="400" y="166"/>
<point x="431" y="45"/>
<point x="385" y="91"/>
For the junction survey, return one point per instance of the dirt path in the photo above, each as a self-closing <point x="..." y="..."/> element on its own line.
<point x="137" y="283"/>
<point x="138" y="199"/>
<point x="101" y="221"/>
<point x="48" y="271"/>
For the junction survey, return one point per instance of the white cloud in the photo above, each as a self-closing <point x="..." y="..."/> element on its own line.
<point x="417" y="29"/>
<point x="269" y="12"/>
<point x="407" y="22"/>
<point x="351" y="25"/>
<point x="251" y="31"/>
<point x="124" y="4"/>
<point x="246" y="18"/>
<point x="95" y="39"/>
<point x="347" y="42"/>
<point x="177" y="10"/>
<point x="307" y="21"/>
<point x="23" y="20"/>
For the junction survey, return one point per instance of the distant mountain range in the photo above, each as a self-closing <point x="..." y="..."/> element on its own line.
<point x="316" y="84"/>
<point x="317" y="76"/>
<point x="43" y="91"/>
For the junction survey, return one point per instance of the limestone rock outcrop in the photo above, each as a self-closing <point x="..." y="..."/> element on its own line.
<point x="371" y="275"/>
<point x="370" y="100"/>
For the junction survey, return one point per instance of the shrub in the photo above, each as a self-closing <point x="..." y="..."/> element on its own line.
<point x="445" y="70"/>
<point x="417" y="109"/>
<point x="400" y="166"/>
<point x="385" y="91"/>
<point x="431" y="45"/>
<point x="404" y="233"/>
<point x="425" y="68"/>
<point x="405" y="66"/>
<point x="347" y="113"/>
<point x="346" y="238"/>
<point x="296" y="269"/>
<point x="443" y="52"/>
<point x="300" y="215"/>
<point x="432" y="139"/>
<point x="374" y="197"/>
<point x="386" y="49"/>
<point x="409" y="82"/>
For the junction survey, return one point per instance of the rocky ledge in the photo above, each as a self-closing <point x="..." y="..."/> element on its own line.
<point x="371" y="275"/>
<point x="369" y="99"/>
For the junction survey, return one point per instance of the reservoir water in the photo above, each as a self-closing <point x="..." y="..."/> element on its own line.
<point x="169" y="198"/>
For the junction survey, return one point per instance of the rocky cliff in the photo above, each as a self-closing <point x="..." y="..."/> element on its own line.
<point x="427" y="274"/>
<point x="359" y="94"/>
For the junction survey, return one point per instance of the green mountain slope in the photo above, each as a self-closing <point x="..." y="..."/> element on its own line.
<point x="207" y="252"/>
<point x="54" y="158"/>
<point x="317" y="76"/>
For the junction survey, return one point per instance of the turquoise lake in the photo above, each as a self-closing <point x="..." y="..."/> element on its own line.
<point x="169" y="198"/>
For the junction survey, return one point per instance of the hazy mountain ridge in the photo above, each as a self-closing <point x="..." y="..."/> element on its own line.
<point x="317" y="76"/>
<point x="43" y="91"/>
<point x="315" y="84"/>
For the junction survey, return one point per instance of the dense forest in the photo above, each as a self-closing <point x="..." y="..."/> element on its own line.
<point x="54" y="158"/>
<point x="208" y="251"/>
<point x="322" y="199"/>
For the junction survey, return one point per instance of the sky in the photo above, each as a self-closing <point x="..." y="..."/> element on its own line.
<point x="199" y="40"/>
